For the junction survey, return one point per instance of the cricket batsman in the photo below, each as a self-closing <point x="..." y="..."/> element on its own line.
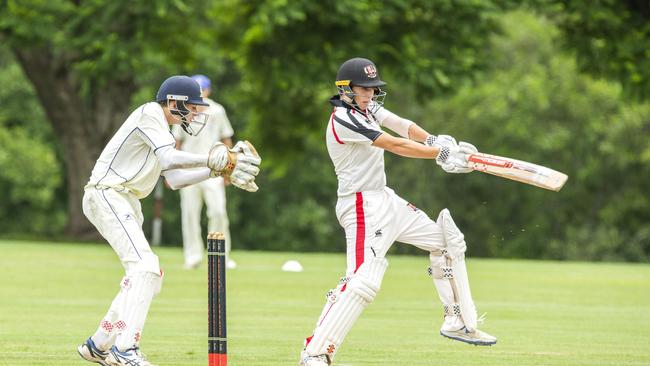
<point x="127" y="170"/>
<point x="373" y="216"/>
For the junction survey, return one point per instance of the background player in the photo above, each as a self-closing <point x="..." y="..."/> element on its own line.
<point x="212" y="191"/>
<point x="374" y="217"/>
<point x="127" y="170"/>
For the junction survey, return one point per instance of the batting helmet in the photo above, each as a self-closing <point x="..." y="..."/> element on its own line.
<point x="183" y="90"/>
<point x="180" y="88"/>
<point x="359" y="72"/>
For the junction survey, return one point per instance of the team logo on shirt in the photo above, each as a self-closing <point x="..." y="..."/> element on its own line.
<point x="412" y="207"/>
<point x="370" y="71"/>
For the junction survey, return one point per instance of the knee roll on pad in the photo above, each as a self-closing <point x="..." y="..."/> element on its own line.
<point x="367" y="280"/>
<point x="454" y="238"/>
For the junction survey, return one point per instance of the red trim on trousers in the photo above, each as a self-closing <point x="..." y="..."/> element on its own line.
<point x="361" y="232"/>
<point x="359" y="249"/>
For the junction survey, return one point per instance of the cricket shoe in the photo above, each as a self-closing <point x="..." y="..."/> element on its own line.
<point x="130" y="357"/>
<point x="89" y="352"/>
<point x="307" y="360"/>
<point x="477" y="337"/>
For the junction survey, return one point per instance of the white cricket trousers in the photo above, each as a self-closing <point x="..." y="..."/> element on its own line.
<point x="374" y="220"/>
<point x="118" y="218"/>
<point x="213" y="192"/>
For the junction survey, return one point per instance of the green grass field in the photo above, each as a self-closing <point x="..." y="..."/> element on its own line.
<point x="544" y="313"/>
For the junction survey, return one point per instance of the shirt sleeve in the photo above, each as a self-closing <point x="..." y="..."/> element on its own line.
<point x="170" y="158"/>
<point x="393" y="122"/>
<point x="179" y="178"/>
<point x="348" y="128"/>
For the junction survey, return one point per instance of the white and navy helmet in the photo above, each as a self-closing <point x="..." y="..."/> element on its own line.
<point x="180" y="87"/>
<point x="184" y="90"/>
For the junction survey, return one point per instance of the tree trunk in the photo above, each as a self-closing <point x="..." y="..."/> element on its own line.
<point x="83" y="124"/>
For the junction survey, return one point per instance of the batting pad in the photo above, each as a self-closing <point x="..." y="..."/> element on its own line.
<point x="346" y="308"/>
<point x="143" y="287"/>
<point x="445" y="291"/>
<point x="454" y="271"/>
<point x="105" y="335"/>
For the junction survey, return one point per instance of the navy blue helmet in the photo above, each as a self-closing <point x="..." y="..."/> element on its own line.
<point x="181" y="88"/>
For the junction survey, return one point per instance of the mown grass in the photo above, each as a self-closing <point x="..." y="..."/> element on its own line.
<point x="545" y="313"/>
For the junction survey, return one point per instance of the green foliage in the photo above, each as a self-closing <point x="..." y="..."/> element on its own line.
<point x="610" y="38"/>
<point x="457" y="67"/>
<point x="288" y="52"/>
<point x="30" y="175"/>
<point x="104" y="39"/>
<point x="295" y="212"/>
<point x="535" y="106"/>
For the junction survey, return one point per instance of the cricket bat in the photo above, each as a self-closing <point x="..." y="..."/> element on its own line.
<point x="518" y="170"/>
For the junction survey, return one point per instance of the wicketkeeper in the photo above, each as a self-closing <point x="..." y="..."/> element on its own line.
<point x="374" y="216"/>
<point x="127" y="170"/>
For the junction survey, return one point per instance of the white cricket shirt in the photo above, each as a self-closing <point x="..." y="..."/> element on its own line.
<point x="217" y="128"/>
<point x="128" y="161"/>
<point x="359" y="166"/>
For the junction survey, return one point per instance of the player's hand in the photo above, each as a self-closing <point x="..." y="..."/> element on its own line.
<point x="440" y="140"/>
<point x="467" y="148"/>
<point x="239" y="164"/>
<point x="453" y="159"/>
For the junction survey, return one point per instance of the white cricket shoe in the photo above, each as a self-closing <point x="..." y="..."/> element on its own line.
<point x="231" y="264"/>
<point x="307" y="360"/>
<point x="454" y="328"/>
<point x="89" y="352"/>
<point x="130" y="357"/>
<point x="477" y="337"/>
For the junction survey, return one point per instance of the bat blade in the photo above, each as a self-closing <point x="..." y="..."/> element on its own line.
<point x="518" y="170"/>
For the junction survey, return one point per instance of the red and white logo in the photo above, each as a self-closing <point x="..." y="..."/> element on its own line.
<point x="371" y="72"/>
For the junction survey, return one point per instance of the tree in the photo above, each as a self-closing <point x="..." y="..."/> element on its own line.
<point x="29" y="198"/>
<point x="86" y="60"/>
<point x="610" y="38"/>
<point x="288" y="52"/>
<point x="533" y="104"/>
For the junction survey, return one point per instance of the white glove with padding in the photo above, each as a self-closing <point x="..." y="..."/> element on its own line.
<point x="453" y="159"/>
<point x="240" y="164"/>
<point x="440" y="140"/>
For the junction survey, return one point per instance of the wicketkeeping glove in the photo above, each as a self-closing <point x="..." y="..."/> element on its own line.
<point x="240" y="164"/>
